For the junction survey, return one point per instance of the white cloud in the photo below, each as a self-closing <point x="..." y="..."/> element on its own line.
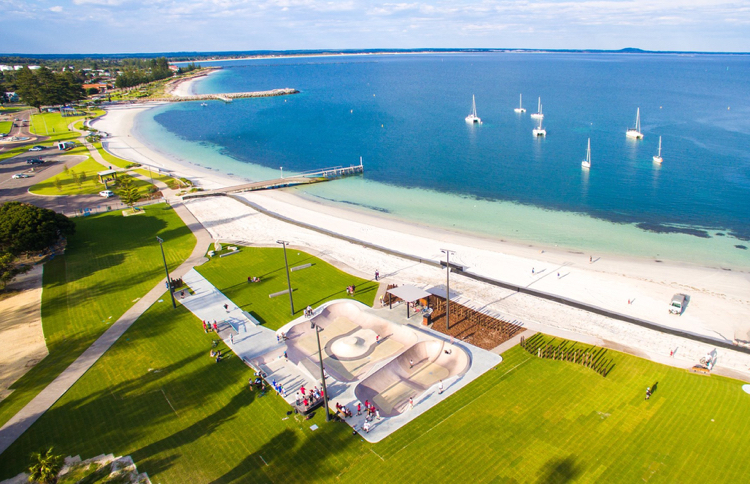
<point x="56" y="8"/>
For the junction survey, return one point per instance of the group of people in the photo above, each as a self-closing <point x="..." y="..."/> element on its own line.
<point x="279" y="388"/>
<point x="253" y="279"/>
<point x="280" y="337"/>
<point x="350" y="289"/>
<point x="208" y="327"/>
<point x="258" y="381"/>
<point x="215" y="354"/>
<point x="308" y="397"/>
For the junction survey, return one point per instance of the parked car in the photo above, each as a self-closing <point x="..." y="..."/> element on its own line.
<point x="21" y="175"/>
<point x="106" y="193"/>
<point x="677" y="305"/>
<point x="35" y="161"/>
<point x="36" y="148"/>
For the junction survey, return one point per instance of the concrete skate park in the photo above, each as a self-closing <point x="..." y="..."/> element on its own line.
<point x="374" y="354"/>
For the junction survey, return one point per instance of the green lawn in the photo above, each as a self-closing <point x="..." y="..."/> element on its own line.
<point x="158" y="397"/>
<point x="51" y="124"/>
<point x="5" y="126"/>
<point x="109" y="263"/>
<point x="156" y="176"/>
<point x="114" y="160"/>
<point x="91" y="186"/>
<point x="312" y="286"/>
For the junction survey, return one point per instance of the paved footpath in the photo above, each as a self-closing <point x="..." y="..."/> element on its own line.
<point x="21" y="421"/>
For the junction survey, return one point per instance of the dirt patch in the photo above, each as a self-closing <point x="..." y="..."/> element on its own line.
<point x="22" y="342"/>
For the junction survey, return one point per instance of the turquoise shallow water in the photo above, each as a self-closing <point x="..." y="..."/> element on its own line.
<point x="405" y="116"/>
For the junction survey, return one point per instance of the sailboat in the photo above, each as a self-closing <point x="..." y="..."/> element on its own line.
<point x="657" y="158"/>
<point x="540" y="131"/>
<point x="473" y="118"/>
<point x="538" y="114"/>
<point x="636" y="132"/>
<point x="520" y="108"/>
<point x="587" y="162"/>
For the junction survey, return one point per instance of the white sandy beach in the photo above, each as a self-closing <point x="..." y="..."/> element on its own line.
<point x="719" y="298"/>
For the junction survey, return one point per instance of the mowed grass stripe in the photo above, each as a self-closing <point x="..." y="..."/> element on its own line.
<point x="109" y="262"/>
<point x="311" y="286"/>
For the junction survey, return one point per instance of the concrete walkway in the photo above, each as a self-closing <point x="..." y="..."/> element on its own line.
<point x="256" y="345"/>
<point x="29" y="414"/>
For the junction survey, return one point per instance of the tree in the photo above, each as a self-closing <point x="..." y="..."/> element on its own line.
<point x="44" y="467"/>
<point x="25" y="227"/>
<point x="28" y="88"/>
<point x="129" y="194"/>
<point x="83" y="177"/>
<point x="58" y="183"/>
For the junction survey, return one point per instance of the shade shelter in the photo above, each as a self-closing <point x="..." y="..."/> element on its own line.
<point x="409" y="294"/>
<point x="107" y="176"/>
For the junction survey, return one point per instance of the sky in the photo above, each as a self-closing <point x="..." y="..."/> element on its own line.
<point x="122" y="26"/>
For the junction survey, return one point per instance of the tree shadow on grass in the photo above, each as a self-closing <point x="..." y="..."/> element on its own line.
<point x="559" y="471"/>
<point x="318" y="453"/>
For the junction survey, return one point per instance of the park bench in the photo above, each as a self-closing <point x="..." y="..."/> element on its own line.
<point x="251" y="318"/>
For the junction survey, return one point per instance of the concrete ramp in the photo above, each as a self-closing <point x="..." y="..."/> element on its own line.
<point x="411" y="373"/>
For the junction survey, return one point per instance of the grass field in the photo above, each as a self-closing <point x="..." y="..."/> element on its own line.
<point x="5" y="126"/>
<point x="111" y="159"/>
<point x="95" y="282"/>
<point x="156" y="176"/>
<point x="158" y="397"/>
<point x="312" y="286"/>
<point x="91" y="186"/>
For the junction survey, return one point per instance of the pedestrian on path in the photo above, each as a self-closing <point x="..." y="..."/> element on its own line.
<point x="440" y="387"/>
<point x="226" y="306"/>
<point x="231" y="338"/>
<point x="216" y="327"/>
<point x="377" y="275"/>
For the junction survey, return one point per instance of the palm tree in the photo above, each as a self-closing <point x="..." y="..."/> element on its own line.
<point x="44" y="467"/>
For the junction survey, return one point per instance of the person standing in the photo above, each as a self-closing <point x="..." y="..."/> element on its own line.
<point x="377" y="275"/>
<point x="226" y="306"/>
<point x="440" y="387"/>
<point x="231" y="338"/>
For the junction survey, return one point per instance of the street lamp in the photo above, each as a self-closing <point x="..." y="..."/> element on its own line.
<point x="288" y="281"/>
<point x="169" y="281"/>
<point x="447" y="286"/>
<point x="322" y="372"/>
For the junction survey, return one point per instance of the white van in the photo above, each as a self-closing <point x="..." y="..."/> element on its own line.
<point x="677" y="304"/>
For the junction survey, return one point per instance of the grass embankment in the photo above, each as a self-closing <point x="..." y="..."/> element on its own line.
<point x="312" y="286"/>
<point x="158" y="397"/>
<point x="110" y="158"/>
<point x="109" y="263"/>
<point x="170" y="181"/>
<point x="5" y="126"/>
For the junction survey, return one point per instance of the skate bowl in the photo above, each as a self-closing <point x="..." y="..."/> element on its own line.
<point x="352" y="340"/>
<point x="411" y="373"/>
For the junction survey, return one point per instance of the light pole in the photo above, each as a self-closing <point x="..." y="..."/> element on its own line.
<point x="169" y="281"/>
<point x="322" y="372"/>
<point x="447" y="286"/>
<point x="282" y="171"/>
<point x="288" y="281"/>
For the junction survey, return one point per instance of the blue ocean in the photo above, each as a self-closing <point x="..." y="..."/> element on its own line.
<point x="404" y="115"/>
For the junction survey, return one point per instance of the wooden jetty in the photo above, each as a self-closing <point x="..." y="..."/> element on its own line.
<point x="306" y="178"/>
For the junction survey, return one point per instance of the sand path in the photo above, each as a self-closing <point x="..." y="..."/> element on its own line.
<point x="22" y="342"/>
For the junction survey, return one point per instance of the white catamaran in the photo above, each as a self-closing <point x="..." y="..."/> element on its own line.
<point x="538" y="114"/>
<point x="636" y="132"/>
<point x="587" y="162"/>
<point x="657" y="158"/>
<point x="540" y="131"/>
<point x="520" y="108"/>
<point x="473" y="118"/>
